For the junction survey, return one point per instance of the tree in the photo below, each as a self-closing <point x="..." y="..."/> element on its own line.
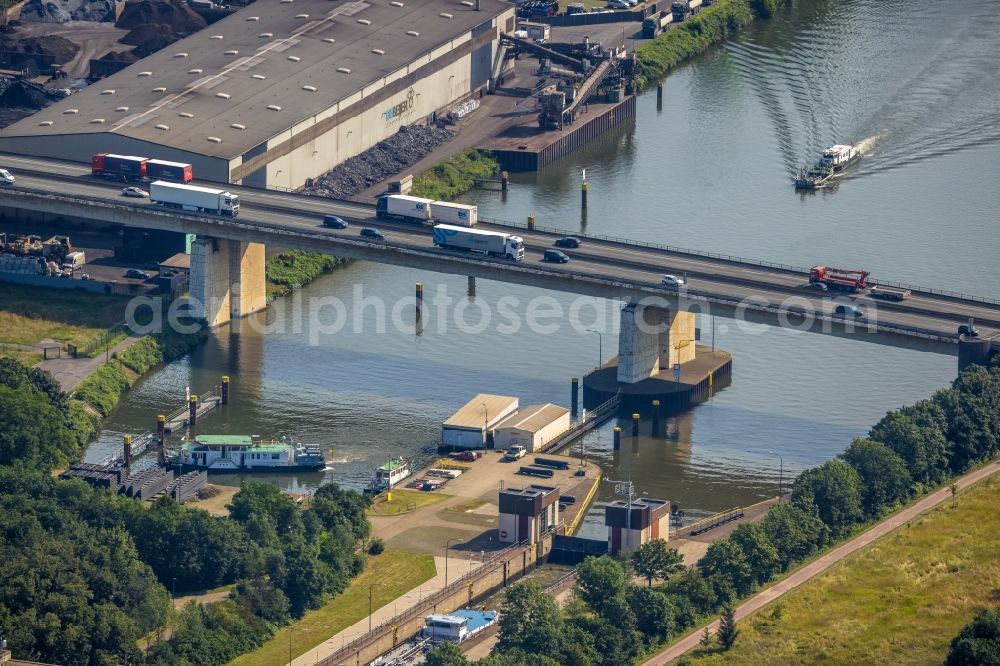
<point x="260" y="498"/>
<point x="654" y="613"/>
<point x="727" y="628"/>
<point x="601" y="582"/>
<point x="445" y="654"/>
<point x="726" y="559"/>
<point x="32" y="430"/>
<point x="834" y="489"/>
<point x="760" y="553"/>
<point x="795" y="533"/>
<point x="978" y="644"/>
<point x="885" y="480"/>
<point x="917" y="434"/>
<point x="972" y="413"/>
<point x="529" y="620"/>
<point x="706" y="638"/>
<point x="654" y="559"/>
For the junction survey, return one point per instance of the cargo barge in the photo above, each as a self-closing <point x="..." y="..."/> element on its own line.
<point x="220" y="454"/>
<point x="833" y="161"/>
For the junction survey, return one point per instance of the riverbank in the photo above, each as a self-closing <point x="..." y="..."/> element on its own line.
<point x="293" y="269"/>
<point x="456" y="175"/>
<point x="712" y="25"/>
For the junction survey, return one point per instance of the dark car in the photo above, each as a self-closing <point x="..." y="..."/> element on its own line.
<point x="968" y="331"/>
<point x="368" y="232"/>
<point x="334" y="222"/>
<point x="555" y="256"/>
<point x="568" y="241"/>
<point x="151" y="265"/>
<point x="849" y="311"/>
<point x="137" y="274"/>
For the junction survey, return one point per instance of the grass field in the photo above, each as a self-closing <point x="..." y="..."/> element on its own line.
<point x="394" y="573"/>
<point x="404" y="500"/>
<point x="899" y="601"/>
<point x="31" y="314"/>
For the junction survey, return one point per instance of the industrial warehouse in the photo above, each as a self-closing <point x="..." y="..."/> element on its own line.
<point x="281" y="91"/>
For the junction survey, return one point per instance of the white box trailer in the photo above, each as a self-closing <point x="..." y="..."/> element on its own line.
<point x="404" y="207"/>
<point x="447" y="212"/>
<point x="492" y="243"/>
<point x="194" y="198"/>
<point x="74" y="260"/>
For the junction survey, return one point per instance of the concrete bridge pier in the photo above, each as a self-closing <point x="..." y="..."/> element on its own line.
<point x="652" y="340"/>
<point x="227" y="279"/>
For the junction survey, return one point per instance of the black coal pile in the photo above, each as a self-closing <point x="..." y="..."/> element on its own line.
<point x="52" y="47"/>
<point x="20" y="99"/>
<point x="387" y="158"/>
<point x="180" y="17"/>
<point x="150" y="38"/>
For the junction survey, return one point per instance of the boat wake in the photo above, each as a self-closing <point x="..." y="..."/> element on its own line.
<point x="867" y="146"/>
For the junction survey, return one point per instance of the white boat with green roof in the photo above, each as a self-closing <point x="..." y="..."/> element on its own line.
<point x="245" y="454"/>
<point x="388" y="475"/>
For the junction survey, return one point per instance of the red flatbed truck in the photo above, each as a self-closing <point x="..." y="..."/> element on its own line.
<point x="840" y="279"/>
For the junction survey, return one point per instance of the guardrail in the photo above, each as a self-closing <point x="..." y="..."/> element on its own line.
<point x="652" y="288"/>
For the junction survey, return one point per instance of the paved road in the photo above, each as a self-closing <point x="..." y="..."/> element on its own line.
<point x="69" y="372"/>
<point x="820" y="565"/>
<point x="711" y="277"/>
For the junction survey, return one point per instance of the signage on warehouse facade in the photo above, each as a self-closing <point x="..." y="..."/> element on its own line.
<point x="401" y="108"/>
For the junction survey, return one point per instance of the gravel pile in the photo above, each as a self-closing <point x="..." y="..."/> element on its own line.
<point x="47" y="11"/>
<point x="150" y="38"/>
<point x="19" y="100"/>
<point x="385" y="159"/>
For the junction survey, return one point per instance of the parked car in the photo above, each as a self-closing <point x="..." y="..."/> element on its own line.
<point x="555" y="257"/>
<point x="6" y="177"/>
<point x="134" y="192"/>
<point x="848" y="310"/>
<point x="334" y="222"/>
<point x="968" y="331"/>
<point x="85" y="276"/>
<point x="515" y="453"/>
<point x="617" y="4"/>
<point x="673" y="281"/>
<point x="576" y="8"/>
<point x="567" y="241"/>
<point x="151" y="265"/>
<point x="466" y="456"/>
<point x="368" y="232"/>
<point x="137" y="274"/>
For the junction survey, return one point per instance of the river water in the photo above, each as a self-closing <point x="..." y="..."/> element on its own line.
<point x="914" y="83"/>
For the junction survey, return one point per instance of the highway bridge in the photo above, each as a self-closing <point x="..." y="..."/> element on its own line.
<point x="606" y="267"/>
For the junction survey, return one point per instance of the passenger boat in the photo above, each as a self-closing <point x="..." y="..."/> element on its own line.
<point x="245" y="454"/>
<point x="833" y="160"/>
<point x="388" y="475"/>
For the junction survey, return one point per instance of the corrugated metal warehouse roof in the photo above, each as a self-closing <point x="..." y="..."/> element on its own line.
<point x="474" y="413"/>
<point x="534" y="417"/>
<point x="268" y="67"/>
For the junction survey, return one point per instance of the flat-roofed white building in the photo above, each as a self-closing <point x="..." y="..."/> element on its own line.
<point x="532" y="427"/>
<point x="467" y="428"/>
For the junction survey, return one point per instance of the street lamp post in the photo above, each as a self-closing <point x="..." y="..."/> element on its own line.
<point x="781" y="473"/>
<point x="289" y="646"/>
<point x="370" y="588"/>
<point x="600" y="346"/>
<point x="486" y="423"/>
<point x="447" y="545"/>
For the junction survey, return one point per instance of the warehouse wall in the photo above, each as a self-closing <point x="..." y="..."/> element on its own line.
<point x="80" y="148"/>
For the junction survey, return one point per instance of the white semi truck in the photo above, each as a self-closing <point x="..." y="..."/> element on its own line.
<point x="194" y="198"/>
<point x="423" y="211"/>
<point x="404" y="207"/>
<point x="447" y="212"/>
<point x="491" y="243"/>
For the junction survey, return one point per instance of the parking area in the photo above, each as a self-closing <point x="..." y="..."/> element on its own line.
<point x="464" y="512"/>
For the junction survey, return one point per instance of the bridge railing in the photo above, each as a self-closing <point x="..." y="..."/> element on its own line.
<point x="278" y="229"/>
<point x="798" y="270"/>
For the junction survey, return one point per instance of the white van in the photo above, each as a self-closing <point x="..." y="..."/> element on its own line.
<point x="6" y="177"/>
